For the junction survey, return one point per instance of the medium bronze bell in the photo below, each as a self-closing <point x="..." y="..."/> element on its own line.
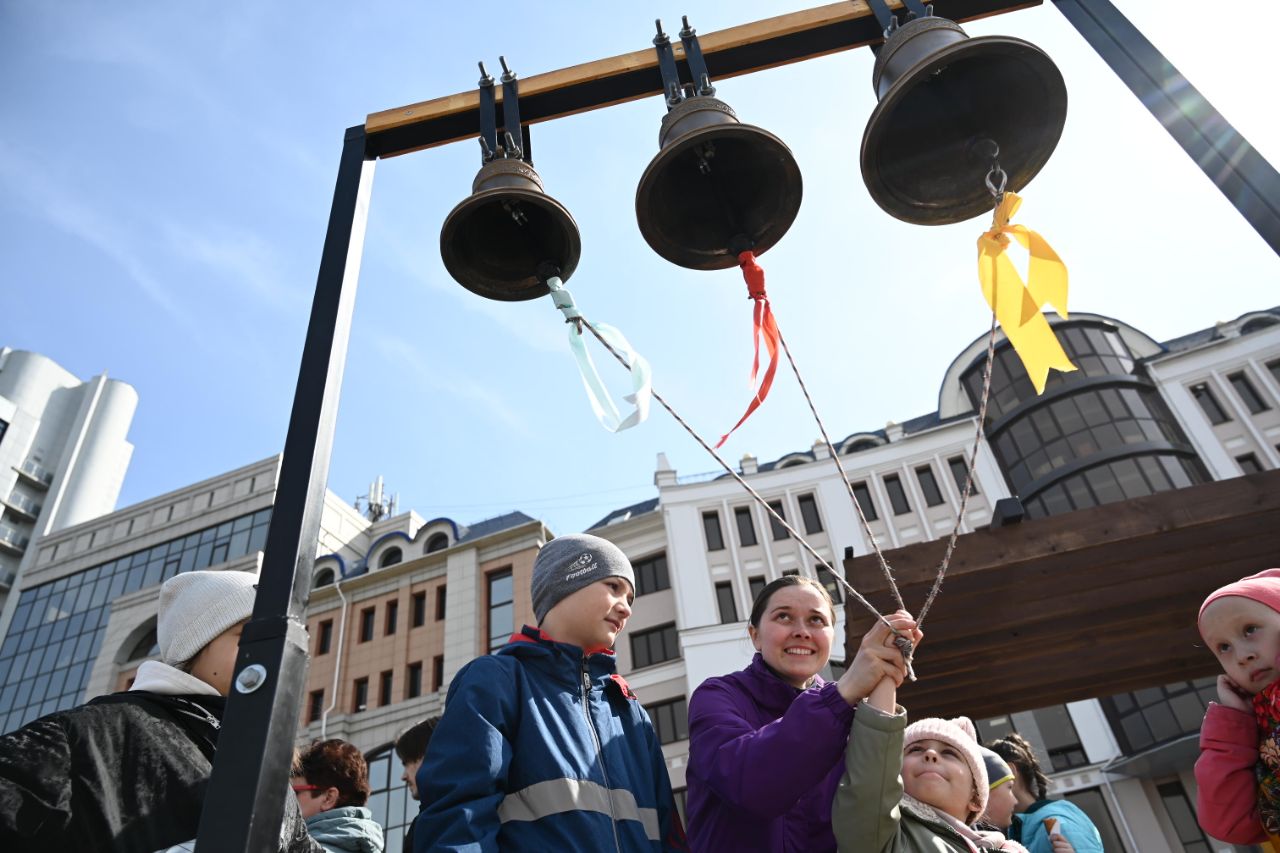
<point x="941" y="95"/>
<point x="717" y="187"/>
<point x="503" y="240"/>
<point x="495" y="241"/>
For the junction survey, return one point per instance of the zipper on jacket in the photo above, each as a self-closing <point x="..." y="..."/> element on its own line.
<point x="595" y="737"/>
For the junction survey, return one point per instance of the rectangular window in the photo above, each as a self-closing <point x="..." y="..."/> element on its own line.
<point x="724" y="600"/>
<point x="1183" y="817"/>
<point x="756" y="583"/>
<point x="1274" y="367"/>
<point x="393" y="613"/>
<point x="1209" y="404"/>
<point x="776" y="529"/>
<point x="413" y="681"/>
<point x="360" y="696"/>
<point x="829" y="581"/>
<point x="440" y="603"/>
<point x="791" y="573"/>
<point x="4" y="425"/>
<point x="670" y="720"/>
<point x="654" y="646"/>
<point x="929" y="485"/>
<point x="1247" y="393"/>
<point x="419" y="609"/>
<point x="1249" y="463"/>
<point x="809" y="514"/>
<point x="366" y="624"/>
<point x="959" y="468"/>
<point x="325" y="638"/>
<point x="863" y="496"/>
<point x="501" y="608"/>
<point x="746" y="529"/>
<point x="384" y="689"/>
<point x="437" y="672"/>
<point x="315" y="706"/>
<point x="897" y="495"/>
<point x="651" y="574"/>
<point x="711" y="527"/>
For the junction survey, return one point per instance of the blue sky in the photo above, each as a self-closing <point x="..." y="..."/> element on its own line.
<point x="165" y="178"/>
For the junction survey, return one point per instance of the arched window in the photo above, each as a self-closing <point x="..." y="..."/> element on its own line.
<point x="148" y="646"/>
<point x="860" y="444"/>
<point x="436" y="542"/>
<point x="389" y="798"/>
<point x="793" y="461"/>
<point x="1257" y="324"/>
<point x="324" y="577"/>
<point x="390" y="557"/>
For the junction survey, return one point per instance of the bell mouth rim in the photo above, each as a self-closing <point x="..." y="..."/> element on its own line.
<point x="522" y="293"/>
<point x="879" y="192"/>
<point x="709" y="262"/>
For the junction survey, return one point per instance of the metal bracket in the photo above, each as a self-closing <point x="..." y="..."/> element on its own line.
<point x="515" y="139"/>
<point x="488" y="117"/>
<point x="693" y="56"/>
<point x="667" y="67"/>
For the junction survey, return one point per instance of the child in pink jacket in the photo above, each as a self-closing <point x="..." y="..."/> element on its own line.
<point x="1238" y="772"/>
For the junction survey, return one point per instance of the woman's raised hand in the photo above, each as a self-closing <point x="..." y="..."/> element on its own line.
<point x="878" y="658"/>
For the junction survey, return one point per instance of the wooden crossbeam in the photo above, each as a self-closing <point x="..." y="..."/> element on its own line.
<point x="743" y="49"/>
<point x="1075" y="606"/>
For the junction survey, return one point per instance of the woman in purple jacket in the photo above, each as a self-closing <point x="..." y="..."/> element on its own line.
<point x="766" y="745"/>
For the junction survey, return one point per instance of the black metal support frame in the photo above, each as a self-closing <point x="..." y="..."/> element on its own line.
<point x="245" y="803"/>
<point x="244" y="807"/>
<point x="1243" y="175"/>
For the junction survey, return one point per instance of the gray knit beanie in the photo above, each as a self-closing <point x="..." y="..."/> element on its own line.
<point x="195" y="607"/>
<point x="568" y="563"/>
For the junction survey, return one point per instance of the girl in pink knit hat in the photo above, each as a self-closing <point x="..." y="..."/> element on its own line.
<point x="908" y="789"/>
<point x="1238" y="773"/>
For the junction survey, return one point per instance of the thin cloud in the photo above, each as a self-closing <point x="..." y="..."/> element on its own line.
<point x="248" y="262"/>
<point x="434" y="378"/>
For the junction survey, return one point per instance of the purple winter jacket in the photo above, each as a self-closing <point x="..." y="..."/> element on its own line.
<point x="764" y="762"/>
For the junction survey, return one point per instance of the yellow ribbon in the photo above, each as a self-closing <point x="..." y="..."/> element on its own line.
<point x="1018" y="304"/>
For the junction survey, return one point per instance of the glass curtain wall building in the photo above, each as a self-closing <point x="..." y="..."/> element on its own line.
<point x="58" y="627"/>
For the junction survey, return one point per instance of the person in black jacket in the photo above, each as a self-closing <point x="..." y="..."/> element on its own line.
<point x="127" y="772"/>
<point x="411" y="747"/>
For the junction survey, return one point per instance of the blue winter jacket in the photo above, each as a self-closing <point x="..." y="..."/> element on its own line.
<point x="346" y="829"/>
<point x="1072" y="823"/>
<point x="544" y="748"/>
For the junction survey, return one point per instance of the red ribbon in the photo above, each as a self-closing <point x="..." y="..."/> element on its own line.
<point x="762" y="324"/>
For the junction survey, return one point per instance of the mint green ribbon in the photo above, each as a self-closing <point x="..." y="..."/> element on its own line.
<point x="602" y="404"/>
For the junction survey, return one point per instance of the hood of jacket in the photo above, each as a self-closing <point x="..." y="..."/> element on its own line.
<point x="347" y="828"/>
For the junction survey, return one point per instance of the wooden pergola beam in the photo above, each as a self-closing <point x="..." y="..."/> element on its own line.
<point x="743" y="49"/>
<point x="1076" y="606"/>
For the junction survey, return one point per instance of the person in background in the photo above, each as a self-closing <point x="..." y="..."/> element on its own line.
<point x="1002" y="802"/>
<point x="411" y="746"/>
<point x="765" y="743"/>
<point x="331" y="782"/>
<point x="1030" y="787"/>
<point x="128" y="772"/>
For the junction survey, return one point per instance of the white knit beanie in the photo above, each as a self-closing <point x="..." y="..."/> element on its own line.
<point x="958" y="733"/>
<point x="195" y="607"/>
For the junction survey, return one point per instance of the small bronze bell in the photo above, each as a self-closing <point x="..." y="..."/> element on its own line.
<point x="508" y="233"/>
<point x="941" y="94"/>
<point x="717" y="187"/>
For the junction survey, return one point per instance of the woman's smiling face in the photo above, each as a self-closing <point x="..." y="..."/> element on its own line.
<point x="795" y="633"/>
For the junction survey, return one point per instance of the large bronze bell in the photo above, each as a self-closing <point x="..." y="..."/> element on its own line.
<point x="942" y="94"/>
<point x="495" y="241"/>
<point x="509" y="235"/>
<point x="717" y="187"/>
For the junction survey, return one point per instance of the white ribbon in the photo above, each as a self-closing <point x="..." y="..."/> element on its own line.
<point x="602" y="404"/>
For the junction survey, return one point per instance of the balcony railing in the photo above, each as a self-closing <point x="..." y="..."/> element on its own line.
<point x="24" y="505"/>
<point x="35" y="472"/>
<point x="12" y="540"/>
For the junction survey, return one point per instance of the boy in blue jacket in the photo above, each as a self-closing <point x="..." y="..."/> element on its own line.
<point x="542" y="745"/>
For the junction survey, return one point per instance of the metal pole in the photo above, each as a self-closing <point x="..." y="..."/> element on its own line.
<point x="1242" y="174"/>
<point x="244" y="807"/>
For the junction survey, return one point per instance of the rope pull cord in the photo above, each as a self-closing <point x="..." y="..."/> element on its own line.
<point x="606" y="411"/>
<point x="763" y="325"/>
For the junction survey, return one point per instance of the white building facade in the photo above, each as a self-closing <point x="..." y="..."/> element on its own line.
<point x="63" y="454"/>
<point x="1138" y="417"/>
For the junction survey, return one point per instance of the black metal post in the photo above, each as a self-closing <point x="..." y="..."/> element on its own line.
<point x="244" y="807"/>
<point x="1242" y="174"/>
